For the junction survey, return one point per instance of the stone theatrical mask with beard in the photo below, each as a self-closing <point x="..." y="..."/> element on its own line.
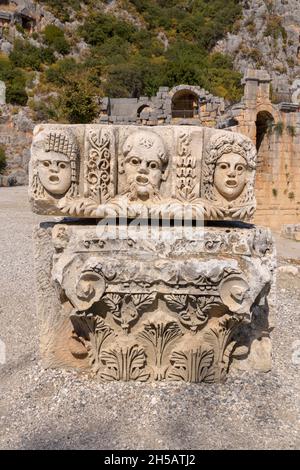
<point x="144" y="162"/>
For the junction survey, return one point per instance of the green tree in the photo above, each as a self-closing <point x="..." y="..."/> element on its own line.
<point x="54" y="38"/>
<point x="62" y="71"/>
<point x="99" y="27"/>
<point x="78" y="102"/>
<point x="25" y="55"/>
<point x="15" y="81"/>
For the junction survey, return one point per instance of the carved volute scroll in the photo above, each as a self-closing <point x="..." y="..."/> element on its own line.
<point x="162" y="303"/>
<point x="156" y="316"/>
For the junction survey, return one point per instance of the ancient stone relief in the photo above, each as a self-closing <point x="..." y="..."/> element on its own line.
<point x="139" y="311"/>
<point x="55" y="172"/>
<point x="157" y="303"/>
<point x="104" y="170"/>
<point x="99" y="164"/>
<point x="228" y="176"/>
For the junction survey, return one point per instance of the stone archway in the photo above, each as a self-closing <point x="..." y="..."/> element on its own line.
<point x="143" y="108"/>
<point x="185" y="104"/>
<point x="264" y="122"/>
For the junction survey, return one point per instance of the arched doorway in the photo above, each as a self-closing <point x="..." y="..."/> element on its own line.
<point x="145" y="108"/>
<point x="185" y="104"/>
<point x="264" y="169"/>
<point x="264" y="123"/>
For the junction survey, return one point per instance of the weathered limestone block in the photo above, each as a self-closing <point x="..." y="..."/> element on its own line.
<point x="158" y="303"/>
<point x="94" y="170"/>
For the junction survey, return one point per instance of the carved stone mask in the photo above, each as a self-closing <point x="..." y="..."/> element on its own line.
<point x="144" y="154"/>
<point x="144" y="171"/>
<point x="230" y="175"/>
<point x="55" y="173"/>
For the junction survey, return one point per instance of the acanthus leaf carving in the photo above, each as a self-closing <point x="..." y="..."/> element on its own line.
<point x="219" y="338"/>
<point x="113" y="301"/>
<point x="94" y="332"/>
<point x="124" y="363"/>
<point x="192" y="310"/>
<point x="160" y="336"/>
<point x="143" y="300"/>
<point x="193" y="365"/>
<point x="125" y="309"/>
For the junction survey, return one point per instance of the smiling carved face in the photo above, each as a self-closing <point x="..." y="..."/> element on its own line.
<point x="54" y="170"/>
<point x="143" y="170"/>
<point x="230" y="175"/>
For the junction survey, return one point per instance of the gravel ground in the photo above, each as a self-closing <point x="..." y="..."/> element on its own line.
<point x="57" y="409"/>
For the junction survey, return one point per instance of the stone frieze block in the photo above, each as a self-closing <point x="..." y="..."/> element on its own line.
<point x="103" y="170"/>
<point x="168" y="306"/>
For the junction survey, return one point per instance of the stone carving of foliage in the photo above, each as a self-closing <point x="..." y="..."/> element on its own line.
<point x="160" y="336"/>
<point x="219" y="338"/>
<point x="125" y="364"/>
<point x="94" y="332"/>
<point x="214" y="280"/>
<point x="192" y="310"/>
<point x="214" y="244"/>
<point x="97" y="175"/>
<point x="203" y="305"/>
<point x="126" y="309"/>
<point x="143" y="300"/>
<point x="192" y="365"/>
<point x="98" y="166"/>
<point x="75" y="207"/>
<point x="186" y="169"/>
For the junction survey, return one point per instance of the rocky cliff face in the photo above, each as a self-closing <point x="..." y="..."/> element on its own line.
<point x="268" y="36"/>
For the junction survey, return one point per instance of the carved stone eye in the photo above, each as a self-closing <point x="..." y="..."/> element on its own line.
<point x="223" y="166"/>
<point x="239" y="168"/>
<point x="135" y="161"/>
<point x="46" y="163"/>
<point x="153" y="165"/>
<point x="62" y="165"/>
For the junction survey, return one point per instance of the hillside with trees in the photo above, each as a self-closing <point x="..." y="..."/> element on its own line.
<point x="126" y="48"/>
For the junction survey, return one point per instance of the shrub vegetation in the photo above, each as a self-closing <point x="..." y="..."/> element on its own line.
<point x="15" y="80"/>
<point x="124" y="60"/>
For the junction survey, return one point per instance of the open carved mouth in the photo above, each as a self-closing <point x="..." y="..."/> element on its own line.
<point x="54" y="179"/>
<point x="231" y="183"/>
<point x="142" y="179"/>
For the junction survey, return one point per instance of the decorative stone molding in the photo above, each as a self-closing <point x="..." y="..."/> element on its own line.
<point x="162" y="308"/>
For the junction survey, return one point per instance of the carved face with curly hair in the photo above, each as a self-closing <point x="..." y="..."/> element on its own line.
<point x="144" y="161"/>
<point x="229" y="159"/>
<point x="230" y="175"/>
